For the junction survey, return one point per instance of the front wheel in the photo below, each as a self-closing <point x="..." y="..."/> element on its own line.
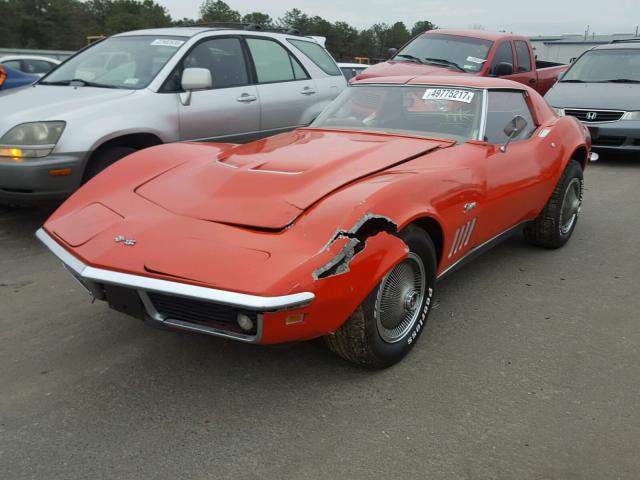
<point x="103" y="159"/>
<point x="557" y="221"/>
<point x="387" y="324"/>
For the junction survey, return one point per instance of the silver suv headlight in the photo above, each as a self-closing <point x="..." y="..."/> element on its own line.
<point x="31" y="140"/>
<point x="631" y="116"/>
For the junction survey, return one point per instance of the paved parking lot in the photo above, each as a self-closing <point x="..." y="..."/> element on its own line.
<point x="529" y="369"/>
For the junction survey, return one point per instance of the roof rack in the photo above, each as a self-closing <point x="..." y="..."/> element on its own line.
<point x="256" y="27"/>
<point x="627" y="40"/>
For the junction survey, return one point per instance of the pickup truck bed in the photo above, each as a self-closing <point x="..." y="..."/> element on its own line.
<point x="470" y="52"/>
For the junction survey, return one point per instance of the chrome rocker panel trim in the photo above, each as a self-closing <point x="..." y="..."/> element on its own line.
<point x="224" y="297"/>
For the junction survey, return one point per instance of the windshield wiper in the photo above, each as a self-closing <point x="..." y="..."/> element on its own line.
<point x="79" y="82"/>
<point x="59" y="82"/>
<point x="575" y="80"/>
<point x="446" y="62"/>
<point x="410" y="57"/>
<point x="620" y="80"/>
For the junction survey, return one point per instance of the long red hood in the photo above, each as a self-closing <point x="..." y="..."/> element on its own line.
<point x="269" y="183"/>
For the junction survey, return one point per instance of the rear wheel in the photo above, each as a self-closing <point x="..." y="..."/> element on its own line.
<point x="555" y="224"/>
<point x="387" y="324"/>
<point x="103" y="159"/>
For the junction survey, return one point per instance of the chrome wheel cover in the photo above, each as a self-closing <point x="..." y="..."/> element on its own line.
<point x="400" y="298"/>
<point x="571" y="203"/>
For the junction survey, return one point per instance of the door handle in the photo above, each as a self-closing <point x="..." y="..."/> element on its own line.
<point x="307" y="91"/>
<point x="532" y="81"/>
<point x="246" y="98"/>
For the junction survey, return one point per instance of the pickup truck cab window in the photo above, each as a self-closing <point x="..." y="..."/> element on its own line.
<point x="273" y="62"/>
<point x="503" y="55"/>
<point x="502" y="107"/>
<point x="524" y="56"/>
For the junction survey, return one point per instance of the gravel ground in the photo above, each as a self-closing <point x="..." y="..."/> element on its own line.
<point x="529" y="369"/>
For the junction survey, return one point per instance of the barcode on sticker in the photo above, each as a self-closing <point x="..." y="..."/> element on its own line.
<point x="448" y="94"/>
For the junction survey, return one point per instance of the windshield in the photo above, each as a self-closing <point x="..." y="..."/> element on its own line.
<point x="424" y="111"/>
<point x="606" y="66"/>
<point x="459" y="53"/>
<point x="118" y="62"/>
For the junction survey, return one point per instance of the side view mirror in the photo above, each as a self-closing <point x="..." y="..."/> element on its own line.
<point x="514" y="128"/>
<point x="503" y="69"/>
<point x="194" y="79"/>
<point x="391" y="52"/>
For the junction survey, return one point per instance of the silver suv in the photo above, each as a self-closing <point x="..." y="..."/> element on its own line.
<point x="142" y="88"/>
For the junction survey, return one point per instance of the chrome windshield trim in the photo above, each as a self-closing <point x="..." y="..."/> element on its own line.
<point x="138" y="282"/>
<point x="483" y="115"/>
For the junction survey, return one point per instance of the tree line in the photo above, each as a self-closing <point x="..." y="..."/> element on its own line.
<point x="66" y="24"/>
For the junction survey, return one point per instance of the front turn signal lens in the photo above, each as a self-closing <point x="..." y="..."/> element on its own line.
<point x="20" y="153"/>
<point x="11" y="152"/>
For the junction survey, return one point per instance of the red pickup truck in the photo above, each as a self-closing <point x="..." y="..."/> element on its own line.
<point x="470" y="52"/>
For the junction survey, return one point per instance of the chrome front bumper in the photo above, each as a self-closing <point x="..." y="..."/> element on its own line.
<point x="93" y="279"/>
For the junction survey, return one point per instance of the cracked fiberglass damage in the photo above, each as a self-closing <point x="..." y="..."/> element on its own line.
<point x="365" y="227"/>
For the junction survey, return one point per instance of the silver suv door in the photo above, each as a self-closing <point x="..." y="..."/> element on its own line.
<point x="286" y="91"/>
<point x="230" y="111"/>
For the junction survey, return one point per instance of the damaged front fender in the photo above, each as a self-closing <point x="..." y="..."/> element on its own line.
<point x="337" y="296"/>
<point x="356" y="237"/>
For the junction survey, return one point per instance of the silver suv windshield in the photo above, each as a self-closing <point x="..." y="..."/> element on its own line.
<point x="129" y="62"/>
<point x="607" y="65"/>
<point x="431" y="111"/>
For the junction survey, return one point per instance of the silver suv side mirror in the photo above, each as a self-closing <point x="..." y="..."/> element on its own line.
<point x="194" y="79"/>
<point x="514" y="128"/>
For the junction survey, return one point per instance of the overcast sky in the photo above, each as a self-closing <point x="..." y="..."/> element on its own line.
<point x="529" y="17"/>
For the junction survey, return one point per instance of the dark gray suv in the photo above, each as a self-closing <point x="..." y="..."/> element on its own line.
<point x="602" y="89"/>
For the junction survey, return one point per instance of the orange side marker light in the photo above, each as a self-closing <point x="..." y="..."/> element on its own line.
<point x="295" y="319"/>
<point x="61" y="172"/>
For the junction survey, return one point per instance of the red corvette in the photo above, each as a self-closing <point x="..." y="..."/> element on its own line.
<point x="339" y="230"/>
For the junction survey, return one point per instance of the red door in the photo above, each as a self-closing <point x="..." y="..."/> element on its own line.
<point x="517" y="180"/>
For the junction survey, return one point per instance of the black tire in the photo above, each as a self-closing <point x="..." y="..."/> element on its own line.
<point x="554" y="226"/>
<point x="360" y="339"/>
<point x="103" y="159"/>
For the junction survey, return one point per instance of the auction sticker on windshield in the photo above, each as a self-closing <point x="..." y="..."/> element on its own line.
<point x="448" y="94"/>
<point x="166" y="42"/>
